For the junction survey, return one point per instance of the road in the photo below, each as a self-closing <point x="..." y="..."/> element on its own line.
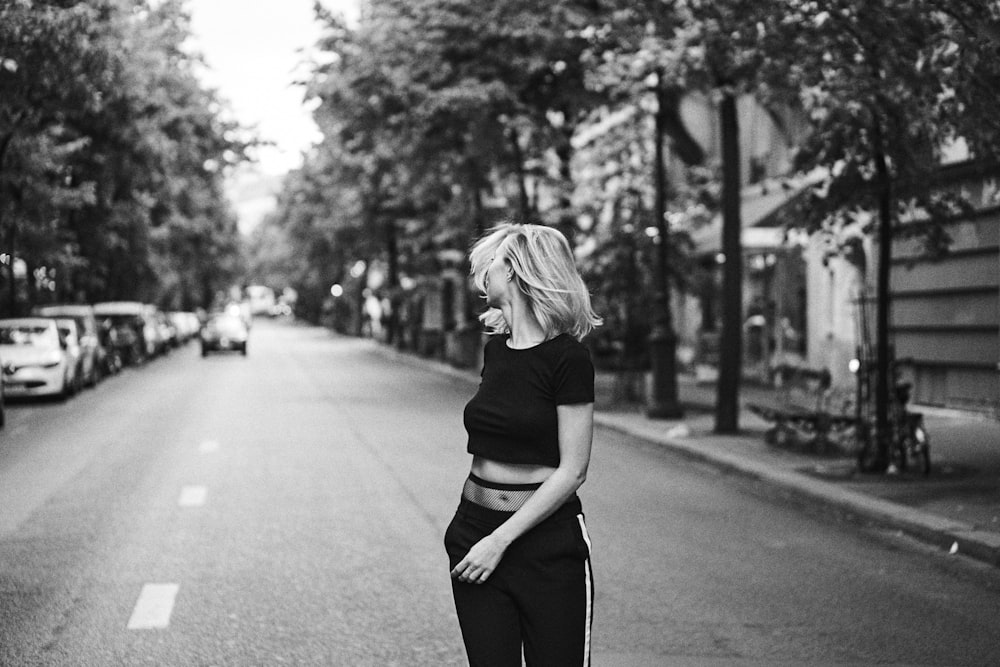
<point x="288" y="508"/>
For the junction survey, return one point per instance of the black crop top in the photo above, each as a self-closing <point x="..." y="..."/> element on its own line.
<point x="512" y="418"/>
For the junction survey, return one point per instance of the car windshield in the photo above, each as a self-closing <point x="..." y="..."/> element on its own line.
<point x="226" y="323"/>
<point x="27" y="335"/>
<point x="123" y="320"/>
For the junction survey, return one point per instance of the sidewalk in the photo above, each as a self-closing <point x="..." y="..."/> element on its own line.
<point x="959" y="504"/>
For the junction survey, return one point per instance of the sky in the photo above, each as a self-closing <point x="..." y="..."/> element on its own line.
<point x="255" y="50"/>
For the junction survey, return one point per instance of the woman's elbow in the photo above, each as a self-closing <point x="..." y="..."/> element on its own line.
<point x="577" y="475"/>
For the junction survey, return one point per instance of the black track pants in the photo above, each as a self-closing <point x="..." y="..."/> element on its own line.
<point x="540" y="596"/>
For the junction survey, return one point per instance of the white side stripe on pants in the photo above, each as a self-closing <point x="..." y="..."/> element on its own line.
<point x="590" y="592"/>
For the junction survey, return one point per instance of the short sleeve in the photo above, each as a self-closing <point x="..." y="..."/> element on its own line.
<point x="574" y="377"/>
<point x="487" y="353"/>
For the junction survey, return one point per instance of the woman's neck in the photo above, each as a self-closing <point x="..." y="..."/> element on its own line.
<point x="525" y="331"/>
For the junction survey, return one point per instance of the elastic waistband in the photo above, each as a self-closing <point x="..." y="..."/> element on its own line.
<point x="471" y="510"/>
<point x="504" y="487"/>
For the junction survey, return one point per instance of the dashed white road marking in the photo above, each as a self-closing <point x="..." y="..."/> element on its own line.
<point x="208" y="446"/>
<point x="192" y="496"/>
<point x="154" y="606"/>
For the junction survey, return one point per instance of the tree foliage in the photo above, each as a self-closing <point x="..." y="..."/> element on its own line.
<point x="899" y="81"/>
<point x="112" y="156"/>
<point x="442" y="115"/>
<point x="887" y="87"/>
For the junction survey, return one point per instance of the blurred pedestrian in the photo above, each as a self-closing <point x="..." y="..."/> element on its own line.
<point x="518" y="545"/>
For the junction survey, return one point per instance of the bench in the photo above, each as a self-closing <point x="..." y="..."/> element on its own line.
<point x="801" y="415"/>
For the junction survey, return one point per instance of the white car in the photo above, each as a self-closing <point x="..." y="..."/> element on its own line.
<point x="224" y="331"/>
<point x="3" y="414"/>
<point x="70" y="338"/>
<point x="93" y="361"/>
<point x="35" y="359"/>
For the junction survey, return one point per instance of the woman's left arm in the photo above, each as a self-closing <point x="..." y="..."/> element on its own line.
<point x="576" y="433"/>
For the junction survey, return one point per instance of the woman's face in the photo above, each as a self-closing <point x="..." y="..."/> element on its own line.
<point x="496" y="281"/>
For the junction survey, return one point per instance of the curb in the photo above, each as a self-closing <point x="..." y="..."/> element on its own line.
<point x="931" y="529"/>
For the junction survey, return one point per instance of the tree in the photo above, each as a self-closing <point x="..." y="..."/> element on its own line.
<point x="719" y="49"/>
<point x="112" y="155"/>
<point x="53" y="58"/>
<point x="310" y="240"/>
<point x="430" y="108"/>
<point x="162" y="152"/>
<point x="887" y="86"/>
<point x="708" y="46"/>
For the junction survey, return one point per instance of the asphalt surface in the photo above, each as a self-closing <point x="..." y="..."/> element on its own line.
<point x="291" y="506"/>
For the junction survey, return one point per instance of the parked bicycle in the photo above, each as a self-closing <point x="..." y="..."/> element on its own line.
<point x="909" y="443"/>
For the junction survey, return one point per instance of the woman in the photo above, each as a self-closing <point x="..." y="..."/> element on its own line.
<point x="518" y="545"/>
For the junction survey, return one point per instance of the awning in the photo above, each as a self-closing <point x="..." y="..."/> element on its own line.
<point x="759" y="204"/>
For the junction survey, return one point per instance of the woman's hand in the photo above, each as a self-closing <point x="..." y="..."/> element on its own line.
<point x="482" y="559"/>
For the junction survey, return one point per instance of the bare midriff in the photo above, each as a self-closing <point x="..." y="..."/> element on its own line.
<point x="510" y="473"/>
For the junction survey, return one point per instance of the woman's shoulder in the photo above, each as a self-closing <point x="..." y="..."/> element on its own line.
<point x="496" y="340"/>
<point x="566" y="345"/>
<point x="494" y="344"/>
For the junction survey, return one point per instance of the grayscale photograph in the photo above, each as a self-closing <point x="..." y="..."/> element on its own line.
<point x="499" y="333"/>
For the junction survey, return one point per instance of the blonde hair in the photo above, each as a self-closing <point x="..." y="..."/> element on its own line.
<point x="544" y="271"/>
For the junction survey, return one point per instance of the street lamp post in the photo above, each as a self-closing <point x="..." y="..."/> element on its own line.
<point x="662" y="402"/>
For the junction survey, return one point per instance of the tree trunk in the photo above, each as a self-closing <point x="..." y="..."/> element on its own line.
<point x="564" y="151"/>
<point x="31" y="291"/>
<point x="11" y="277"/>
<point x="663" y="402"/>
<point x="882" y="351"/>
<point x="476" y="186"/>
<point x="522" y="185"/>
<point x="11" y="283"/>
<point x="392" y="279"/>
<point x="727" y="408"/>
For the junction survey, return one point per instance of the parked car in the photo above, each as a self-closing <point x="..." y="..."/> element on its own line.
<point x="35" y="358"/>
<point x="186" y="324"/>
<point x="224" y="331"/>
<point x="92" y="352"/>
<point x="129" y="328"/>
<point x="111" y="359"/>
<point x="70" y="339"/>
<point x="166" y="332"/>
<point x="3" y="408"/>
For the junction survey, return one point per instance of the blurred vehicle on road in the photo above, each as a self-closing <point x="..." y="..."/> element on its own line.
<point x="111" y="359"/>
<point x="3" y="408"/>
<point x="131" y="329"/>
<point x="92" y="351"/>
<point x="240" y="309"/>
<point x="35" y="359"/>
<point x="262" y="300"/>
<point x="186" y="324"/>
<point x="166" y="332"/>
<point x="224" y="331"/>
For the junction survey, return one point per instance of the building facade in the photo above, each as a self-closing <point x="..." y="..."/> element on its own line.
<point x="945" y="310"/>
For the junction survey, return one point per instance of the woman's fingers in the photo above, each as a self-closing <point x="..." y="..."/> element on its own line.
<point x="470" y="574"/>
<point x="477" y="576"/>
<point x="479" y="563"/>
